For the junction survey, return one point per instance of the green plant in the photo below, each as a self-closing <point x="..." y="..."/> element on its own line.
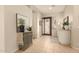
<point x="66" y="23"/>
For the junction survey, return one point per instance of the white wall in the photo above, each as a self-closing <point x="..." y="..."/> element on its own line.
<point x="38" y="25"/>
<point x="35" y="24"/>
<point x="2" y="43"/>
<point x="10" y="25"/>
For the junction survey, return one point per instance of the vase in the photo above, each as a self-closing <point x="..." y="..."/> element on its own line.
<point x="66" y="27"/>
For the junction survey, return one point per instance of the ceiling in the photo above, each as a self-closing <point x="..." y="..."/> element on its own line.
<point x="49" y="9"/>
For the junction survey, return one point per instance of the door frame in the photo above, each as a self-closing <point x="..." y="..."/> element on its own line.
<point x="50" y="18"/>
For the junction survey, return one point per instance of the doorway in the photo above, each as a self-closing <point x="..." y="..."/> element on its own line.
<point x="47" y="26"/>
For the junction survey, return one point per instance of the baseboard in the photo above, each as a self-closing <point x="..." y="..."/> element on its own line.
<point x="16" y="51"/>
<point x="13" y="51"/>
<point x="2" y="51"/>
<point x="75" y="48"/>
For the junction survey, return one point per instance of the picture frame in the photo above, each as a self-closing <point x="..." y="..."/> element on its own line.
<point x="20" y="20"/>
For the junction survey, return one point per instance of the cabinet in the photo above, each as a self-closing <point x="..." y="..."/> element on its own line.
<point x="27" y="39"/>
<point x="24" y="40"/>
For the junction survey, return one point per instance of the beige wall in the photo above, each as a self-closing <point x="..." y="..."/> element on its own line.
<point x="2" y="43"/>
<point x="75" y="27"/>
<point x="73" y="12"/>
<point x="10" y="25"/>
<point x="69" y="12"/>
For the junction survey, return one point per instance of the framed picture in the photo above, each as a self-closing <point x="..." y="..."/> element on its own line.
<point x="20" y="22"/>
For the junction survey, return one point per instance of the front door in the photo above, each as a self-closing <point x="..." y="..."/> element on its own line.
<point x="46" y="26"/>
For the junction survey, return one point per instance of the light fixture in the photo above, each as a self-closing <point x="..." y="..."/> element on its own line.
<point x="51" y="7"/>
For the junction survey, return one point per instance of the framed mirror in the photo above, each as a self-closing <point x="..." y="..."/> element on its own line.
<point x="22" y="23"/>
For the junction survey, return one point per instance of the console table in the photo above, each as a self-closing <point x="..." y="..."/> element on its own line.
<point x="24" y="40"/>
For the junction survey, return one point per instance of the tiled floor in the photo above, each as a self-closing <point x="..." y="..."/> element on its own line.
<point x="47" y="44"/>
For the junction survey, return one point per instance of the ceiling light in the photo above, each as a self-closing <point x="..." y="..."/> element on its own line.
<point x="50" y="8"/>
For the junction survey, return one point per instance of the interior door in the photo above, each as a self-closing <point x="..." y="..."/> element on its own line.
<point x="46" y="26"/>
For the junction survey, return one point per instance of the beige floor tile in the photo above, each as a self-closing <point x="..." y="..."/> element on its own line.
<point x="47" y="44"/>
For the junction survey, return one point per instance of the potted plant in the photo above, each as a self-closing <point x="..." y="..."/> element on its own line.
<point x="66" y="23"/>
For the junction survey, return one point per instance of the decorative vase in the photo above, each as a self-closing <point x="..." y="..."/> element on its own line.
<point x="66" y="27"/>
<point x="64" y="37"/>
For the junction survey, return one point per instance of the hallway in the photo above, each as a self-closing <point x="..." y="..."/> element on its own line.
<point x="47" y="44"/>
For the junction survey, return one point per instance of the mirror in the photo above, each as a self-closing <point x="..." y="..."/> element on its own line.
<point x="22" y="23"/>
